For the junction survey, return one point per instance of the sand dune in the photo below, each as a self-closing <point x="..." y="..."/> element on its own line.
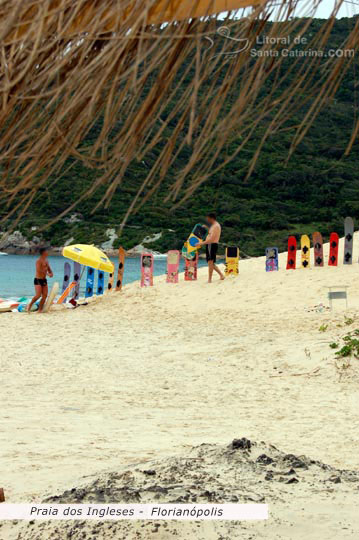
<point x="300" y="490"/>
<point x="150" y="373"/>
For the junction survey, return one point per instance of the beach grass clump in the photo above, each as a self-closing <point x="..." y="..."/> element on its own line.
<point x="323" y="327"/>
<point x="348" y="320"/>
<point x="350" y="347"/>
<point x="347" y="350"/>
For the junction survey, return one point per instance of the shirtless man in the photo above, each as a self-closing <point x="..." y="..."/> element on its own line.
<point x="42" y="271"/>
<point x="211" y="244"/>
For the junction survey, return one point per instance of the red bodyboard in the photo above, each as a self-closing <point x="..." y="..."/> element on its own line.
<point x="333" y="251"/>
<point x="292" y="253"/>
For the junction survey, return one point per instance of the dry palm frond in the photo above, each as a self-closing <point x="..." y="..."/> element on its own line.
<point x="162" y="78"/>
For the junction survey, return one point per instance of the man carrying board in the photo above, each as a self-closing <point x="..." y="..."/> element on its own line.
<point x="211" y="244"/>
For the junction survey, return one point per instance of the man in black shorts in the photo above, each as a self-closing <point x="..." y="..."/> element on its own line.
<point x="211" y="244"/>
<point x="40" y="282"/>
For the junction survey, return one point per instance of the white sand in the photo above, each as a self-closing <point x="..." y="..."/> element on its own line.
<point x="145" y="373"/>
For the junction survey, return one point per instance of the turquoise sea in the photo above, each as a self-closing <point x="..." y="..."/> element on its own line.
<point x="17" y="273"/>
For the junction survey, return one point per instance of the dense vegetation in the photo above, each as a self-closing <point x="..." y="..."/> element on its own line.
<point x="315" y="190"/>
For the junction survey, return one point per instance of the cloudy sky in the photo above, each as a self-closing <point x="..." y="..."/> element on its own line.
<point x="348" y="9"/>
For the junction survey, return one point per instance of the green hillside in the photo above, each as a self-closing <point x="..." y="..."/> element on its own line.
<point x="315" y="190"/>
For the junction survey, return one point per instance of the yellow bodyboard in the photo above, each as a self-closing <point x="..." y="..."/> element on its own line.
<point x="232" y="260"/>
<point x="305" y="250"/>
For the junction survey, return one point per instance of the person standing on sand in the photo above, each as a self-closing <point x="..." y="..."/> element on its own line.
<point x="211" y="244"/>
<point x="42" y="271"/>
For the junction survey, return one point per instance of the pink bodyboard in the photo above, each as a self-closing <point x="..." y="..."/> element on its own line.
<point x="146" y="270"/>
<point x="173" y="259"/>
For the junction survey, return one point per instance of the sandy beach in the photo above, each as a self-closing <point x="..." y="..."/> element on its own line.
<point x="148" y="374"/>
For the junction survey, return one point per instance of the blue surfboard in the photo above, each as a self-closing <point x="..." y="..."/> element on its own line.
<point x="90" y="282"/>
<point x="100" y="282"/>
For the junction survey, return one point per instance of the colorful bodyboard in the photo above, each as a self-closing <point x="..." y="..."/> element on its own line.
<point x="67" y="292"/>
<point x="333" y="250"/>
<point x="100" y="282"/>
<point x="198" y="234"/>
<point x="173" y="259"/>
<point x="292" y="253"/>
<point x="191" y="266"/>
<point x="232" y="260"/>
<point x="348" y="240"/>
<point x="272" y="264"/>
<point x="305" y="250"/>
<point x="318" y="249"/>
<point x="77" y="278"/>
<point x="50" y="299"/>
<point x="146" y="270"/>
<point x="90" y="282"/>
<point x="121" y="268"/>
<point x="67" y="275"/>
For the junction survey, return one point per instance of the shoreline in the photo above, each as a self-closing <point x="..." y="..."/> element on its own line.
<point x="113" y="253"/>
<point x="57" y="252"/>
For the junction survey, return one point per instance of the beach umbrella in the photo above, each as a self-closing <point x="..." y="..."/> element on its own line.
<point x="89" y="255"/>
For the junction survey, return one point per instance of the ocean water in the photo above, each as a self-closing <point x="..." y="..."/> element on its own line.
<point x="17" y="273"/>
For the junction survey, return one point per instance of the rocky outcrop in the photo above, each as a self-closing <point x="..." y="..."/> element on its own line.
<point x="112" y="237"/>
<point x="137" y="250"/>
<point x="74" y="218"/>
<point x="16" y="243"/>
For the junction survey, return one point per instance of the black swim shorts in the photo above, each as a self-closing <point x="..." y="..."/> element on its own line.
<point x="211" y="252"/>
<point x="39" y="281"/>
